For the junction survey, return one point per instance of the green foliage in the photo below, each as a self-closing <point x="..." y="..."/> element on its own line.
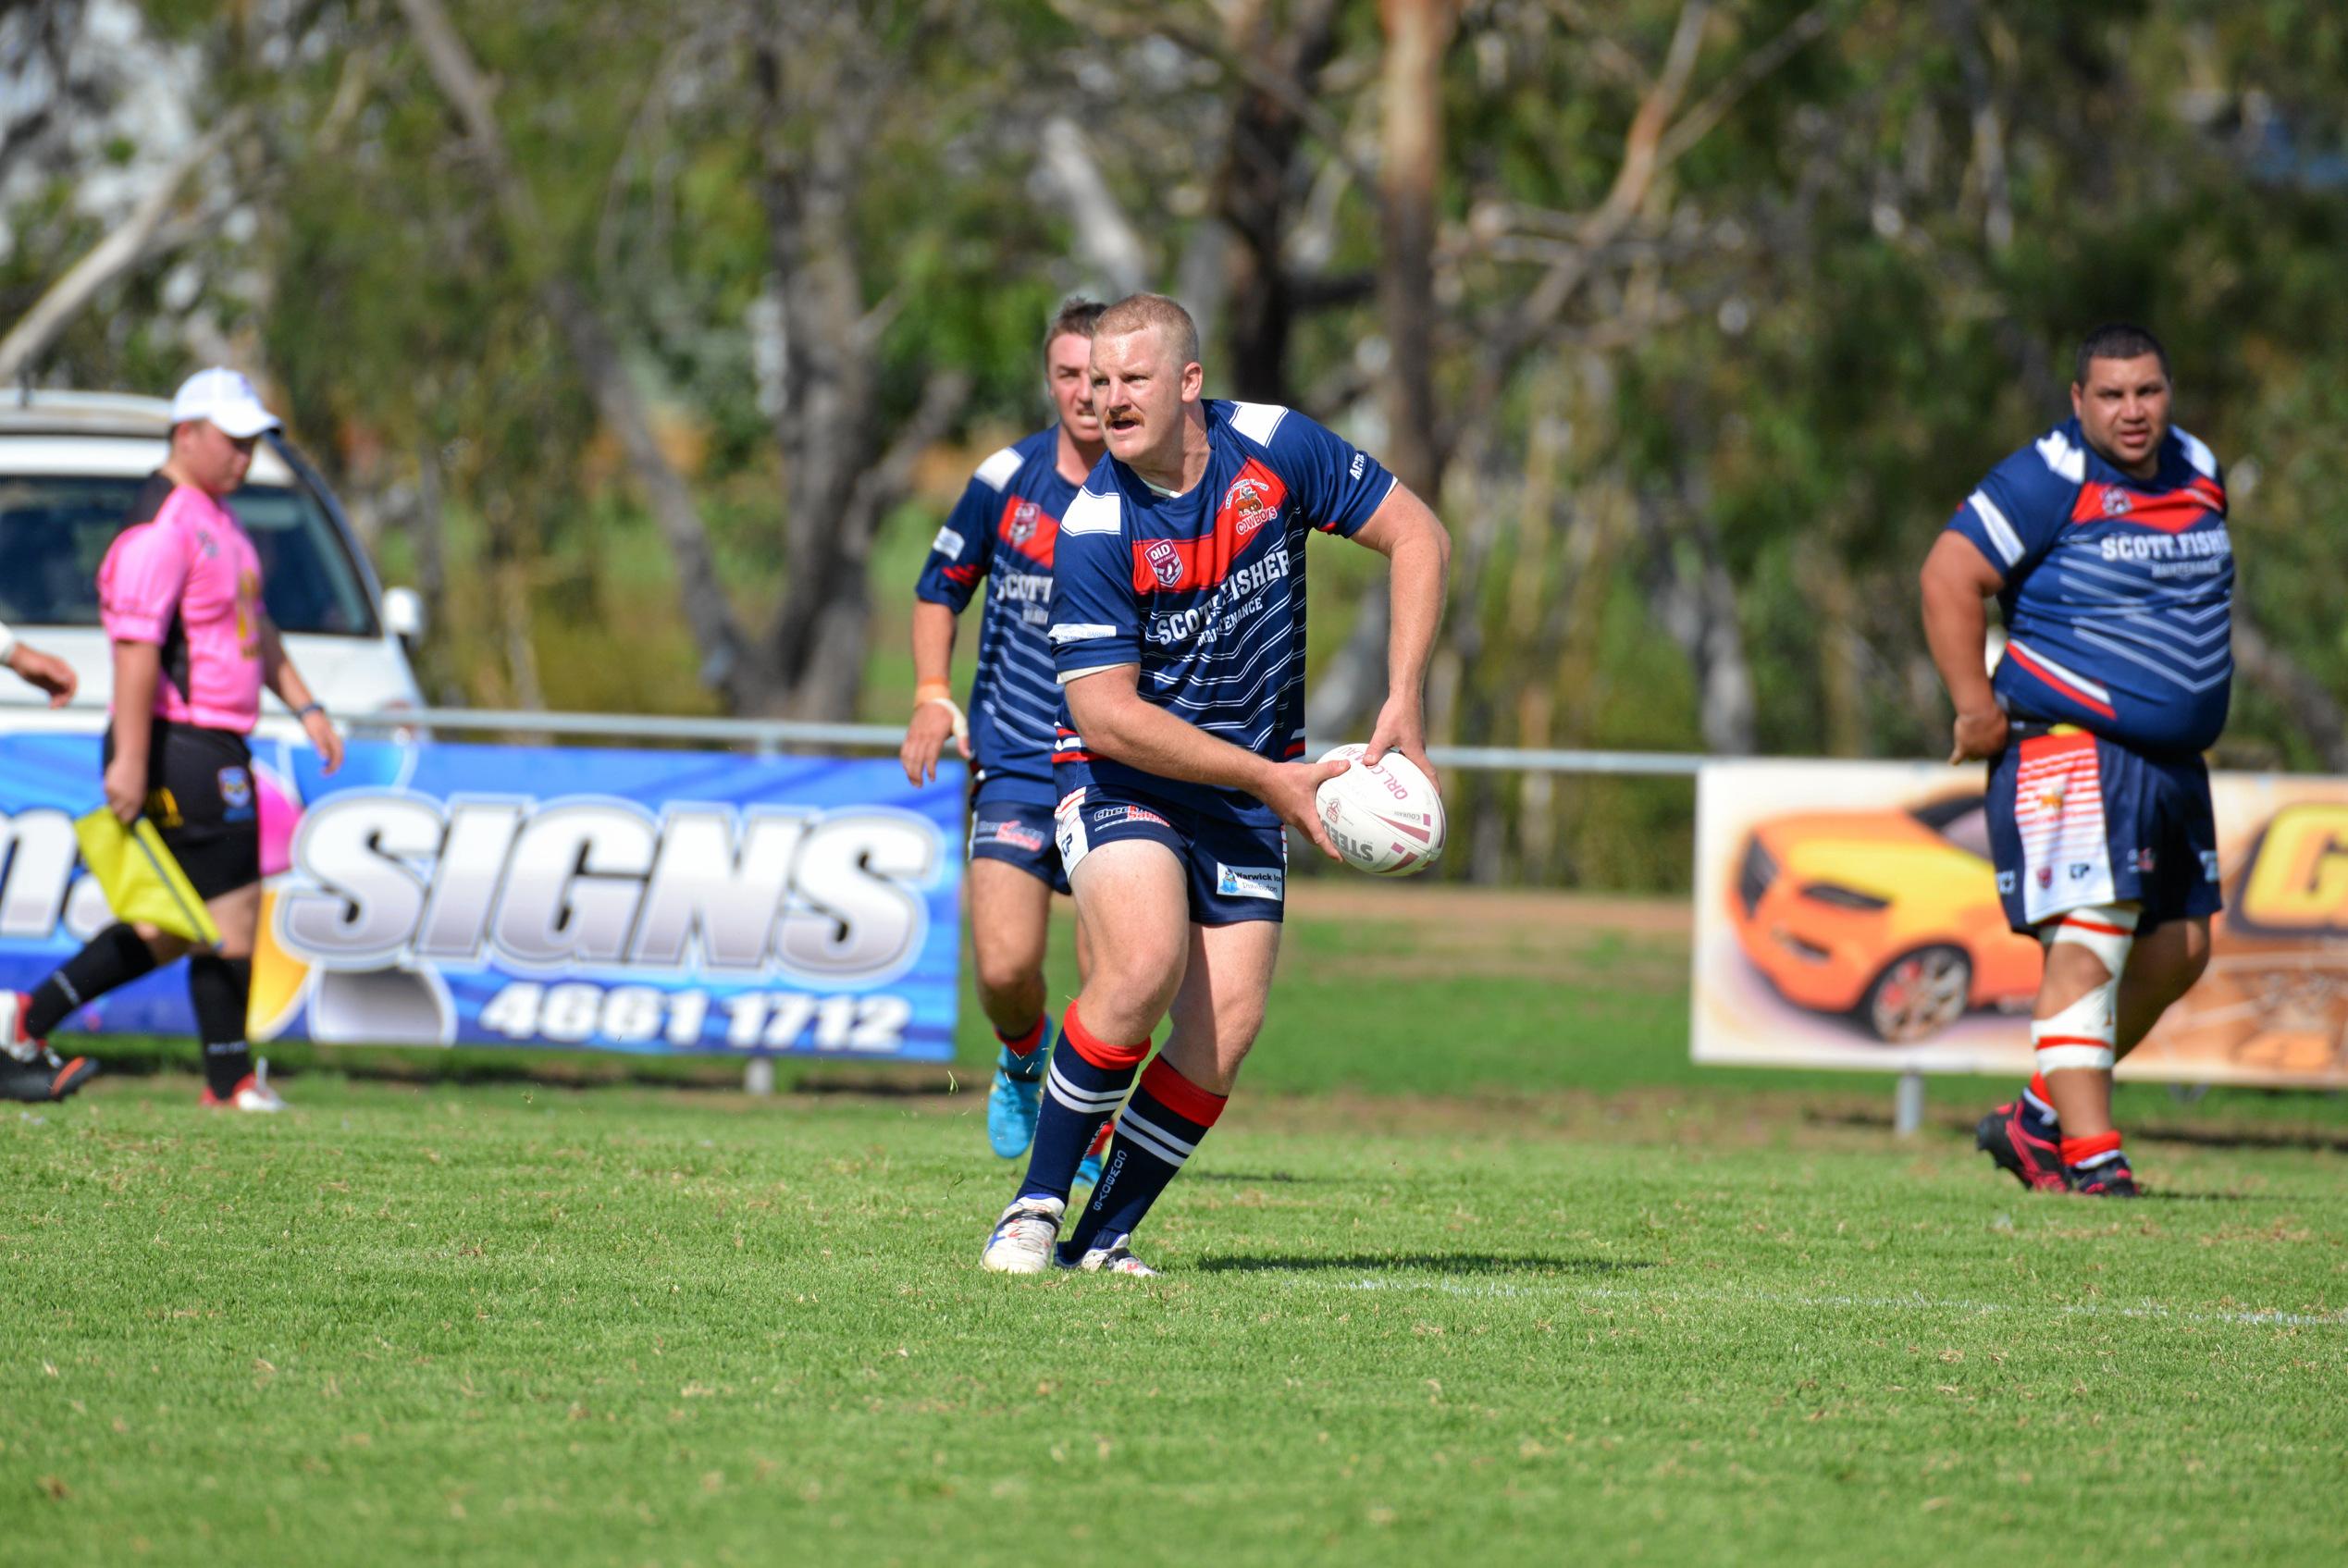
<point x="1845" y="299"/>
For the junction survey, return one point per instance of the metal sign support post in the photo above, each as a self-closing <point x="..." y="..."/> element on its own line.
<point x="1908" y="1103"/>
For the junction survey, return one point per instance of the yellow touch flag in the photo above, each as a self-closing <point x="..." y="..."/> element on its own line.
<point x="142" y="880"/>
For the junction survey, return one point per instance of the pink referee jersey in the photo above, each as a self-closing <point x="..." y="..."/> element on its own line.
<point x="184" y="577"/>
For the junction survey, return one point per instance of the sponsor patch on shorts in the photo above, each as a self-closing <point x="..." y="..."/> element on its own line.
<point x="236" y="795"/>
<point x="1249" y="882"/>
<point x="1010" y="831"/>
<point x="1109" y="816"/>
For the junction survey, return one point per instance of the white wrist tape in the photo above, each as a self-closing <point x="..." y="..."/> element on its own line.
<point x="961" y="720"/>
<point x="2083" y="1034"/>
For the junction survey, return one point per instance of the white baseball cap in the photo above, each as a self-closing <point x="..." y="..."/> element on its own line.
<point x="227" y="399"/>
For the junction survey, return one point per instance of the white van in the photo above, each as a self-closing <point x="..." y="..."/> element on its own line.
<point x="70" y="463"/>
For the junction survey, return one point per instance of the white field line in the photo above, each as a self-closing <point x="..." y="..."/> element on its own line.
<point x="2267" y="1319"/>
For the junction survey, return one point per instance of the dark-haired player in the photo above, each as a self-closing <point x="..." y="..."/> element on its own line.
<point x="1177" y="633"/>
<point x="2105" y="543"/>
<point x="1003" y="533"/>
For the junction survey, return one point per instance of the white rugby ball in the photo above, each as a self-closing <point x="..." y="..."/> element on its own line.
<point x="1387" y="819"/>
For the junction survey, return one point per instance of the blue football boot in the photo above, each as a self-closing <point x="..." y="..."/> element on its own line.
<point x="1013" y="1100"/>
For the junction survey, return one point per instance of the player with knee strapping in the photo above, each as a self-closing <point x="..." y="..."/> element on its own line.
<point x="1178" y="633"/>
<point x="2105" y="543"/>
<point x="1003" y="533"/>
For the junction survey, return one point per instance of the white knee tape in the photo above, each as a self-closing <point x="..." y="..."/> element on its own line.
<point x="2083" y="1033"/>
<point x="2107" y="930"/>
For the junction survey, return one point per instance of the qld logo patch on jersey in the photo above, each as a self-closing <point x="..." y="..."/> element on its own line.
<point x="1164" y="560"/>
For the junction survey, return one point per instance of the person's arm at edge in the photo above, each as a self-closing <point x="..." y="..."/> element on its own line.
<point x="1114" y="721"/>
<point x="46" y="670"/>
<point x="295" y="692"/>
<point x="935" y="713"/>
<point x="1417" y="547"/>
<point x="1957" y="583"/>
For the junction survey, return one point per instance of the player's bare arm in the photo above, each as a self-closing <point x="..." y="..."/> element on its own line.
<point x="1958" y="582"/>
<point x="138" y="669"/>
<point x="936" y="716"/>
<point x="1116" y="721"/>
<point x="1418" y="551"/>
<point x="279" y="674"/>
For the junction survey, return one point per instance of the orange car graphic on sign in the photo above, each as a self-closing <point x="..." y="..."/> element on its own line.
<point x="1889" y="916"/>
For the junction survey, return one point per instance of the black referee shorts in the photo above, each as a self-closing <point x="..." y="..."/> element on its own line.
<point x="201" y="798"/>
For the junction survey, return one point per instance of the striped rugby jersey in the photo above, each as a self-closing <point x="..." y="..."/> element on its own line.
<point x="1204" y="592"/>
<point x="1005" y="528"/>
<point x="2118" y="595"/>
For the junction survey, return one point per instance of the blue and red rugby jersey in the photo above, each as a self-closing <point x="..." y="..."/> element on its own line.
<point x="1204" y="592"/>
<point x="1005" y="528"/>
<point x="2118" y="595"/>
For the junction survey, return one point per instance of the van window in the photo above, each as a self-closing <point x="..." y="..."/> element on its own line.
<point x="55" y="530"/>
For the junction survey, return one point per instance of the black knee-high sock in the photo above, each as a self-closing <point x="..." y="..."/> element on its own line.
<point x="219" y="988"/>
<point x="1156" y="1134"/>
<point x="115" y="956"/>
<point x="1082" y="1089"/>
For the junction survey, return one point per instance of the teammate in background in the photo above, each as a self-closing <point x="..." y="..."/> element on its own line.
<point x="1177" y="634"/>
<point x="2105" y="543"/>
<point x="1006" y="529"/>
<point x="179" y="596"/>
<point x="29" y="1070"/>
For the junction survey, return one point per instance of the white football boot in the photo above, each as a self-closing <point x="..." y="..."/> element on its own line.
<point x="1023" y="1240"/>
<point x="251" y="1094"/>
<point x="1114" y="1257"/>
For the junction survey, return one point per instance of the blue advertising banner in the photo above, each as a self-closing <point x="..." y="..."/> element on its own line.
<point x="643" y="901"/>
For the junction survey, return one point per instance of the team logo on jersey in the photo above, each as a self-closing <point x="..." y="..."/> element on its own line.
<point x="2117" y="502"/>
<point x="1253" y="501"/>
<point x="1164" y="562"/>
<point x="1250" y="507"/>
<point x="1020" y="527"/>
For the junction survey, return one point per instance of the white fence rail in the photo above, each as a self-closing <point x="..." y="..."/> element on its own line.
<point x="770" y="735"/>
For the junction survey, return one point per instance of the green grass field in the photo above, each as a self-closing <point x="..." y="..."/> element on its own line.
<point x="1477" y="1269"/>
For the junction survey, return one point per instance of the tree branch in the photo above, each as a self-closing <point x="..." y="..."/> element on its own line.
<point x="139" y="236"/>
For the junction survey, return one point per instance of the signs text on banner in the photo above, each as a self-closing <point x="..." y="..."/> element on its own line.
<point x="1847" y="916"/>
<point x="490" y="894"/>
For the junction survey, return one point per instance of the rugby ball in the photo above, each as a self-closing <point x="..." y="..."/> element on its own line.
<point x="1387" y="819"/>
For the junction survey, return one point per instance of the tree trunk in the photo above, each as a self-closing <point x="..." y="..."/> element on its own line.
<point x="592" y="345"/>
<point x="1417" y="34"/>
<point x="842" y="475"/>
<point x="1256" y="187"/>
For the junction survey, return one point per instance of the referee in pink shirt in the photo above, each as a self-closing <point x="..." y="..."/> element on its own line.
<point x="179" y="595"/>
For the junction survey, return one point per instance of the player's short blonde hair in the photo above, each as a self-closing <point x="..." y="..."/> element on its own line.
<point x="1176" y="328"/>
